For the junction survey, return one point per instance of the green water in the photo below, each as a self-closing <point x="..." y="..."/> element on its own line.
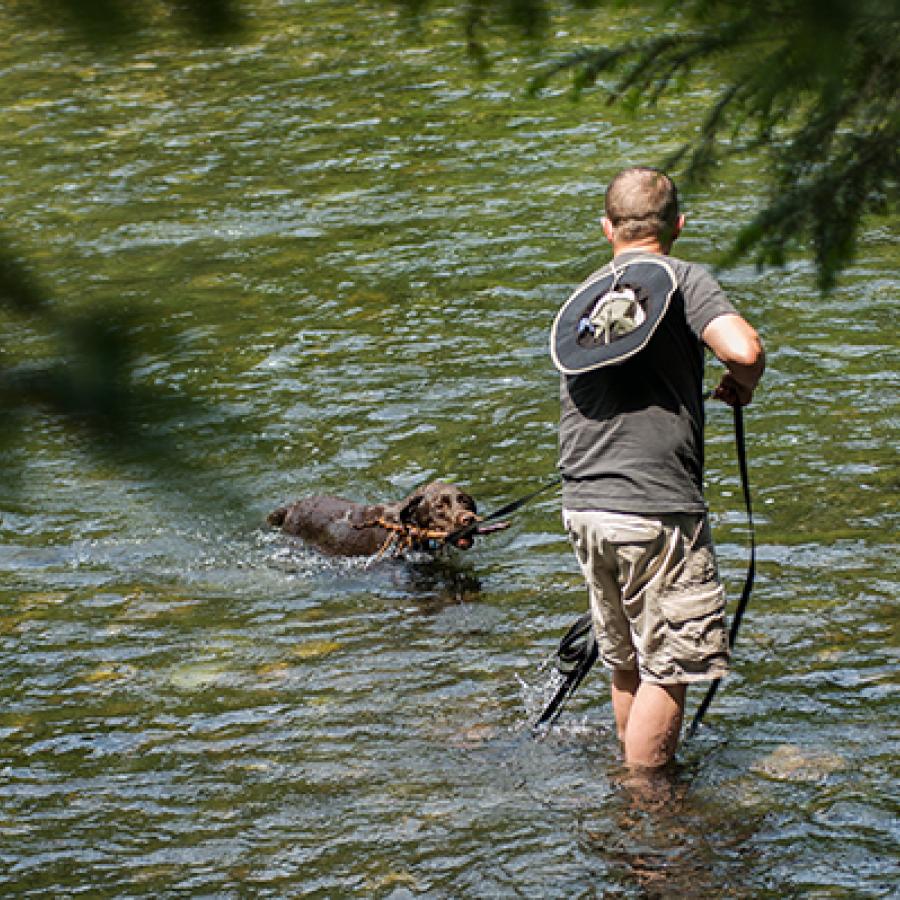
<point x="350" y="245"/>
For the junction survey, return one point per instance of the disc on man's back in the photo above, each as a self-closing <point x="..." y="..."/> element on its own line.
<point x="612" y="316"/>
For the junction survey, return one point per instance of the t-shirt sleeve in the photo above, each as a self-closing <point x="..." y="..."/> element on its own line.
<point x="704" y="299"/>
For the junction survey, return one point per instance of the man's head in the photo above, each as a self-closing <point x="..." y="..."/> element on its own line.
<point x="642" y="209"/>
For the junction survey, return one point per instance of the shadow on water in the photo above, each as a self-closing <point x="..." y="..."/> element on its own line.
<point x="437" y="580"/>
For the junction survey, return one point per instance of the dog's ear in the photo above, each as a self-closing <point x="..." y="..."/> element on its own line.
<point x="411" y="507"/>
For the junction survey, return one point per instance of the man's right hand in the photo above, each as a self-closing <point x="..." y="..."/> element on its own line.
<point x="732" y="392"/>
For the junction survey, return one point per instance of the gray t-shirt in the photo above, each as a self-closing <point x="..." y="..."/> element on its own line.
<point x="631" y="435"/>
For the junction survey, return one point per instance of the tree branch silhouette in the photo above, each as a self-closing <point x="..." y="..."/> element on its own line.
<point x="814" y="87"/>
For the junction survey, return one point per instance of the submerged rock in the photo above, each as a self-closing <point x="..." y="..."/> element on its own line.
<point x="790" y="762"/>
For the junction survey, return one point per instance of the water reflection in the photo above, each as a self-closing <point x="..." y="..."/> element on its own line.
<point x="655" y="834"/>
<point x="653" y="845"/>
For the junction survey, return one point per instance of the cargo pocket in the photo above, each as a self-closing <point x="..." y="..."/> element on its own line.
<point x="679" y="608"/>
<point x="695" y="623"/>
<point x="698" y="571"/>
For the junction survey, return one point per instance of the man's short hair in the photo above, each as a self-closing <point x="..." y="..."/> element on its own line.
<point x="642" y="202"/>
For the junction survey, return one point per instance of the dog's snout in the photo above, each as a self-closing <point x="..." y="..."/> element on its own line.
<point x="467" y="517"/>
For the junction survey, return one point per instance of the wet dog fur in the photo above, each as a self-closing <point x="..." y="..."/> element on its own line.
<point x="340" y="527"/>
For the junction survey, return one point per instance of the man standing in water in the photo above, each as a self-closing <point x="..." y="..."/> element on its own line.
<point x="631" y="458"/>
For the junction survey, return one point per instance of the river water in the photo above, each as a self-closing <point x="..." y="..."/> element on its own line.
<point x="349" y="245"/>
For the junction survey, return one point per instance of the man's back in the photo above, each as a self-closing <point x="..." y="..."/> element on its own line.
<point x="631" y="435"/>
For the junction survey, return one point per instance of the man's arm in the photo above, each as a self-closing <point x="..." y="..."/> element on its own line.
<point x="736" y="343"/>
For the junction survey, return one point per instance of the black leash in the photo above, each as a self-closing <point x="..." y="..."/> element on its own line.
<point x="751" y="567"/>
<point x="475" y="527"/>
<point x="577" y="651"/>
<point x="576" y="654"/>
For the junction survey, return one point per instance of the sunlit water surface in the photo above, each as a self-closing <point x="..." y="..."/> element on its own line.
<point x="350" y="245"/>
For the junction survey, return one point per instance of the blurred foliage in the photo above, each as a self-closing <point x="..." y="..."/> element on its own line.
<point x="106" y="22"/>
<point x="88" y="373"/>
<point x="88" y="377"/>
<point x="813" y="84"/>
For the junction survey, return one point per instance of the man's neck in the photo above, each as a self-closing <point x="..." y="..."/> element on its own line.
<point x="643" y="245"/>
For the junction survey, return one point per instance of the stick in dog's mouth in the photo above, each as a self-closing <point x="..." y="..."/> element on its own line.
<point x="463" y="538"/>
<point x="494" y="526"/>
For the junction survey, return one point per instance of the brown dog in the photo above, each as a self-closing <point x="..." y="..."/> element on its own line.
<point x="345" y="528"/>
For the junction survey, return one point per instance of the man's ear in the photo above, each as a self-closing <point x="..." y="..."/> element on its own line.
<point x="669" y="235"/>
<point x="608" y="230"/>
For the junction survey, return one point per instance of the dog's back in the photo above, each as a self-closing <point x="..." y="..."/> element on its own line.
<point x="333" y="525"/>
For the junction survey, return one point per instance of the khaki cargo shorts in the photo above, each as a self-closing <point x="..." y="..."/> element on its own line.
<point x="655" y="593"/>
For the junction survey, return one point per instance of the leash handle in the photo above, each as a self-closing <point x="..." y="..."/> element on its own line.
<point x="751" y="567"/>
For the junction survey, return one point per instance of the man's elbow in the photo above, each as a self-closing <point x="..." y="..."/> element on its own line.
<point x="748" y="354"/>
<point x="737" y="344"/>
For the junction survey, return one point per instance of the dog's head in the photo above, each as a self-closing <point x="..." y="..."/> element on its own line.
<point x="441" y="507"/>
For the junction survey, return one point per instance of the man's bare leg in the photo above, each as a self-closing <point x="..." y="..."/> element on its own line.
<point x="623" y="687"/>
<point x="653" y="724"/>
